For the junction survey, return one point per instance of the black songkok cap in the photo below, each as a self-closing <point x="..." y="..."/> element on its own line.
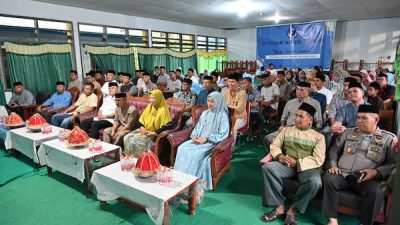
<point x="235" y="76"/>
<point x="304" y="84"/>
<point x="120" y="95"/>
<point x="208" y="78"/>
<point x="112" y="84"/>
<point x="368" y="109"/>
<point x="187" y="81"/>
<point x="354" y="84"/>
<point x="308" y="108"/>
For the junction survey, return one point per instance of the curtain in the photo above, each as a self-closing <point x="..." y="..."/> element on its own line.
<point x="120" y="59"/>
<point x="208" y="60"/>
<point x="2" y="94"/>
<point x="39" y="66"/>
<point x="151" y="57"/>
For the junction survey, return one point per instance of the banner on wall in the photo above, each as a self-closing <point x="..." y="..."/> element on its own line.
<point x="302" y="45"/>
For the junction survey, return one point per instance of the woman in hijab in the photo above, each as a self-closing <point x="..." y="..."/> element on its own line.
<point x="194" y="156"/>
<point x="154" y="117"/>
<point x="336" y="85"/>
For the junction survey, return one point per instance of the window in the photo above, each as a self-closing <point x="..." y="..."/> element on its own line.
<point x="30" y="30"/>
<point x="118" y="36"/>
<point x="175" y="41"/>
<point x="211" y="43"/>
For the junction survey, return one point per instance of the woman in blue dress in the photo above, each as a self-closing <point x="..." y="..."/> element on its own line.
<point x="194" y="156"/>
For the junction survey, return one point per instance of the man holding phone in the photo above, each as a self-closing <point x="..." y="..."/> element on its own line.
<point x="359" y="160"/>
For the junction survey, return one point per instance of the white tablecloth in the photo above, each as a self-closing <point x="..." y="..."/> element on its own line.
<point x="111" y="183"/>
<point x="56" y="155"/>
<point x="26" y="141"/>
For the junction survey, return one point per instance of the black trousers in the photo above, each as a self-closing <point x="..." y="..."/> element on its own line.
<point x="370" y="192"/>
<point x="93" y="127"/>
<point x="256" y="117"/>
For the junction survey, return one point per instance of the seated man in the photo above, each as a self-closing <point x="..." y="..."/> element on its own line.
<point x="75" y="82"/>
<point x="163" y="77"/>
<point x="126" y="120"/>
<point x="99" y="77"/>
<point x="253" y="96"/>
<point x="87" y="102"/>
<point x="105" y="115"/>
<point x="90" y="78"/>
<point x="173" y="84"/>
<point x="208" y="88"/>
<point x="20" y="97"/>
<point x="387" y="91"/>
<point x="347" y="116"/>
<point x="146" y="86"/>
<point x="269" y="95"/>
<point x="60" y="99"/>
<point x="359" y="160"/>
<point x="189" y="98"/>
<point x="110" y="77"/>
<point x="126" y="83"/>
<point x="298" y="151"/>
<point x="291" y="107"/>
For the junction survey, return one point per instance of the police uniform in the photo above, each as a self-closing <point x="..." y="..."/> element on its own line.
<point x="352" y="152"/>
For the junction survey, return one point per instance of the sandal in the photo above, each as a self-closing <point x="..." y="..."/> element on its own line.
<point x="271" y="216"/>
<point x="291" y="220"/>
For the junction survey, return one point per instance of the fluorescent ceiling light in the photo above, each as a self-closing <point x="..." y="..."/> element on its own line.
<point x="277" y="17"/>
<point x="243" y="7"/>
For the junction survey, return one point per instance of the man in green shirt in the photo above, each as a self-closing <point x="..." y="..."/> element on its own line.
<point x="298" y="151"/>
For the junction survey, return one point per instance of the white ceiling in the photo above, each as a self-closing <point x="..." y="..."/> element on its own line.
<point x="221" y="14"/>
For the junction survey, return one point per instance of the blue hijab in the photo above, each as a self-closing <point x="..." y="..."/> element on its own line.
<point x="213" y="117"/>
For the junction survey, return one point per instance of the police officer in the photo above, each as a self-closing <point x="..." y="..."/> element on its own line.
<point x="358" y="160"/>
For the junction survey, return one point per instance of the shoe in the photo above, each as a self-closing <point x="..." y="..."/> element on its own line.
<point x="271" y="216"/>
<point x="291" y="220"/>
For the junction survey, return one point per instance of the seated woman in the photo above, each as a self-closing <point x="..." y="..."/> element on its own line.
<point x="154" y="119"/>
<point x="193" y="156"/>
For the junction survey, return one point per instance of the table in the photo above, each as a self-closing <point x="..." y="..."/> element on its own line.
<point x="27" y="142"/>
<point x="112" y="183"/>
<point x="73" y="162"/>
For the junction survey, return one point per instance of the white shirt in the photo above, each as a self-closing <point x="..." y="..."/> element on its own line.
<point x="140" y="83"/>
<point x="162" y="78"/>
<point x="173" y="85"/>
<point x="325" y="91"/>
<point x="108" y="107"/>
<point x="105" y="89"/>
<point x="194" y="80"/>
<point x="269" y="93"/>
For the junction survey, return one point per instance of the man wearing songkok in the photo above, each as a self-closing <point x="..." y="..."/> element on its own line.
<point x="298" y="151"/>
<point x="105" y="115"/>
<point x="125" y="120"/>
<point x="290" y="110"/>
<point x="75" y="82"/>
<point x="126" y="83"/>
<point x="359" y="160"/>
<point x="347" y="116"/>
<point x="20" y="97"/>
<point x="189" y="98"/>
<point x="110" y="77"/>
<point x="208" y="88"/>
<point x="87" y="102"/>
<point x="60" y="99"/>
<point x="236" y="99"/>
